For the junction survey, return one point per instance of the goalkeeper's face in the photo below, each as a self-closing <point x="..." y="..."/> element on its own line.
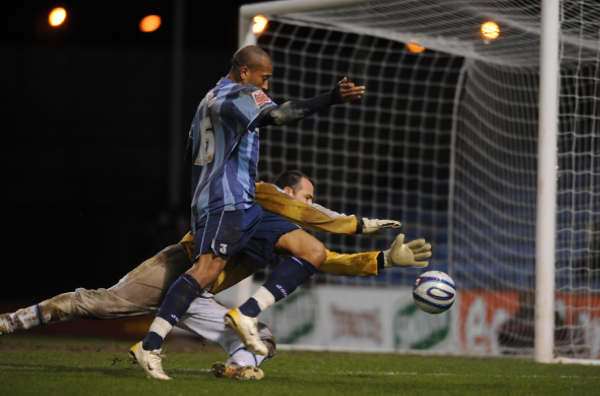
<point x="303" y="191"/>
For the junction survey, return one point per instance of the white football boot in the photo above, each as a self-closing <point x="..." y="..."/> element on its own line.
<point x="246" y="328"/>
<point x="151" y="361"/>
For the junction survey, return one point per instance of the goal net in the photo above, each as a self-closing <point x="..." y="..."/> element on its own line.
<point x="446" y="141"/>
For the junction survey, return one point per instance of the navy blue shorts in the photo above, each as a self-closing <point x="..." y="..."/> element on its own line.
<point x="261" y="246"/>
<point x="251" y="231"/>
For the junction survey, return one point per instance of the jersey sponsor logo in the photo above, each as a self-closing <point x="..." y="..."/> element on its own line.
<point x="260" y="98"/>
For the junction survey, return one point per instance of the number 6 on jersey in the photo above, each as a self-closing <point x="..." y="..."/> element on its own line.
<point x="206" y="151"/>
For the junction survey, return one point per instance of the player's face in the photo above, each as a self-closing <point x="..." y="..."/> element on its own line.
<point x="258" y="75"/>
<point x="304" y="191"/>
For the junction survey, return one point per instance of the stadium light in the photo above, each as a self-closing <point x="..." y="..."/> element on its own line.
<point x="259" y="24"/>
<point x="57" y="17"/>
<point x="150" y="23"/>
<point x="489" y="31"/>
<point x="414" y="48"/>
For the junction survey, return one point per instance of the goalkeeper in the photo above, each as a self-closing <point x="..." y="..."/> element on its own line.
<point x="141" y="290"/>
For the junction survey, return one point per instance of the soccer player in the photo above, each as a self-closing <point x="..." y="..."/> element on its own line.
<point x="225" y="220"/>
<point x="140" y="291"/>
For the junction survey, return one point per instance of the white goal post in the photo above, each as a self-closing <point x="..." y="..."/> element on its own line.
<point x="546" y="186"/>
<point x="487" y="147"/>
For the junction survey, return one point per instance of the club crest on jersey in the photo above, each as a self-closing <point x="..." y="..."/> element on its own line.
<point x="260" y="98"/>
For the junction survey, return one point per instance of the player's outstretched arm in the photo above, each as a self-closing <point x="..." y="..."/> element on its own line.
<point x="400" y="254"/>
<point x="295" y="110"/>
<point x="315" y="216"/>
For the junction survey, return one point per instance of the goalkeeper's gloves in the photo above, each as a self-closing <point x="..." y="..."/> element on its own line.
<point x="369" y="226"/>
<point x="411" y="254"/>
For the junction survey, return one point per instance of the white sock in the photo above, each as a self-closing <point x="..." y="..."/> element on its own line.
<point x="264" y="298"/>
<point x="242" y="357"/>
<point x="26" y="318"/>
<point x="161" y="327"/>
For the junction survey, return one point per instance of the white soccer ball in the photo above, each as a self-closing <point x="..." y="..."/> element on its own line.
<point x="434" y="292"/>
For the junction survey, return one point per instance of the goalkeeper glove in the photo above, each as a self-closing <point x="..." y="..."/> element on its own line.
<point x="370" y="226"/>
<point x="411" y="254"/>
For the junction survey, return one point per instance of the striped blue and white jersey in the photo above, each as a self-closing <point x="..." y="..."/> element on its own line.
<point x="225" y="148"/>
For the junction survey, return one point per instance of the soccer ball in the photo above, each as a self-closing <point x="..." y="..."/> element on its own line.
<point x="434" y="292"/>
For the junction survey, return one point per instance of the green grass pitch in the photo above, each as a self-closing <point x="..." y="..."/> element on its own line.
<point x="42" y="365"/>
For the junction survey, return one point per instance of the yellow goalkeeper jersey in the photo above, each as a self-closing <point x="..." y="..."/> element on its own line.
<point x="315" y="217"/>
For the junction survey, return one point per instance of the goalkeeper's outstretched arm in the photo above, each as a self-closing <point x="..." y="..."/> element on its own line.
<point x="411" y="254"/>
<point x="315" y="216"/>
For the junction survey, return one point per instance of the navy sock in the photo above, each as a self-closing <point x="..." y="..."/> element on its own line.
<point x="284" y="278"/>
<point x="287" y="275"/>
<point x="250" y="308"/>
<point x="176" y="302"/>
<point x="179" y="297"/>
<point x="38" y="313"/>
<point x="152" y="341"/>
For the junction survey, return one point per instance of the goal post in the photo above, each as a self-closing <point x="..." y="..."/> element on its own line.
<point x="489" y="148"/>
<point x="546" y="186"/>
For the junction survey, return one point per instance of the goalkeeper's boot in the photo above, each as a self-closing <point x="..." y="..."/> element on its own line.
<point x="22" y="319"/>
<point x="234" y="371"/>
<point x="246" y="328"/>
<point x="7" y="324"/>
<point x="264" y="332"/>
<point x="151" y="361"/>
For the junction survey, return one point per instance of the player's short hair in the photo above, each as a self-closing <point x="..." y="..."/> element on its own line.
<point x="290" y="178"/>
<point x="250" y="56"/>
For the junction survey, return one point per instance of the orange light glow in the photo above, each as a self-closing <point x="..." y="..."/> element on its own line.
<point x="259" y="24"/>
<point x="57" y="16"/>
<point x="150" y="23"/>
<point x="489" y="31"/>
<point x="414" y="48"/>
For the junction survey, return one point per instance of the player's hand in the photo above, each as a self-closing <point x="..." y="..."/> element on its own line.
<point x="347" y="91"/>
<point x="370" y="226"/>
<point x="411" y="254"/>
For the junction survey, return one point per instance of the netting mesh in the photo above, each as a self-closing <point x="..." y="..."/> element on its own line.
<point x="578" y="200"/>
<point x="446" y="141"/>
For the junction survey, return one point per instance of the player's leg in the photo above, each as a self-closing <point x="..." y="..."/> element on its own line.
<point x="218" y="237"/>
<point x="243" y="364"/>
<point x="137" y="293"/>
<point x="307" y="253"/>
<point x="177" y="300"/>
<point x="288" y="272"/>
<point x="147" y="284"/>
<point x="303" y="246"/>
<point x="205" y="318"/>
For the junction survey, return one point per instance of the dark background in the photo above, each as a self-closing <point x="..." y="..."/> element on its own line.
<point x="86" y="124"/>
